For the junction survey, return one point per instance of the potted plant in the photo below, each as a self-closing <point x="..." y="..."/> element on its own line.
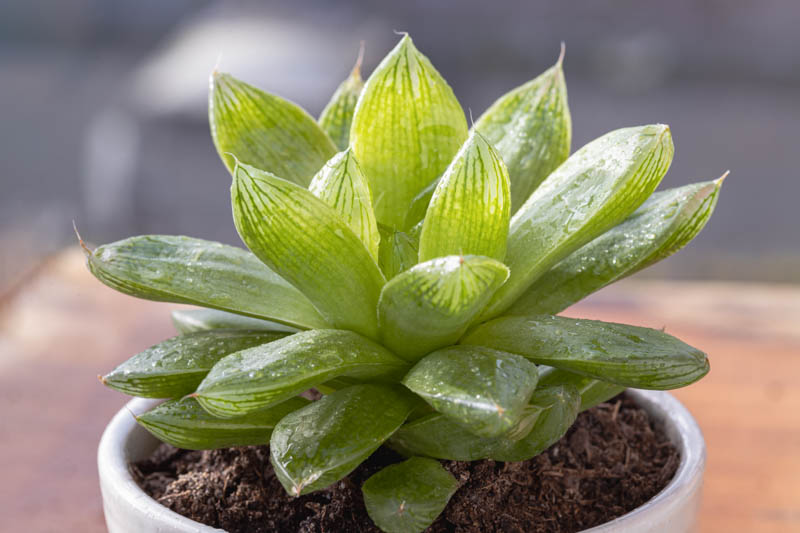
<point x="410" y="269"/>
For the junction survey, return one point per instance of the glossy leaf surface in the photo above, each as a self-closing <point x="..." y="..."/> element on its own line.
<point x="323" y="442"/>
<point x="176" y="366"/>
<point x="431" y="304"/>
<point x="531" y="129"/>
<point x="342" y="185"/>
<point x="631" y="356"/>
<point x="265" y="131"/>
<point x="398" y="251"/>
<point x="470" y="207"/>
<point x="664" y="224"/>
<point x="592" y="391"/>
<point x="184" y="424"/>
<point x="483" y="390"/>
<point x="337" y="116"/>
<point x="406" y="129"/>
<point x="407" y="497"/>
<point x="191" y="320"/>
<point x="257" y="378"/>
<point x="307" y="242"/>
<point x="595" y="189"/>
<point x="173" y="269"/>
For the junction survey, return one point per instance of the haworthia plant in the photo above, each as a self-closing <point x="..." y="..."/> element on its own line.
<point x="193" y="271"/>
<point x="411" y="279"/>
<point x="531" y="128"/>
<point x="337" y="116"/>
<point x="264" y="130"/>
<point x="406" y="129"/>
<point x="664" y="224"/>
<point x="430" y="305"/>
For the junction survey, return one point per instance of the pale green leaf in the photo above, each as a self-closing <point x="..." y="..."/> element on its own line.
<point x="406" y="129"/>
<point x="342" y="185"/>
<point x="595" y="189"/>
<point x="398" y="251"/>
<point x="531" y="129"/>
<point x="432" y="304"/>
<point x="307" y="242"/>
<point x="337" y="116"/>
<point x="184" y="424"/>
<point x="407" y="497"/>
<point x="175" y="367"/>
<point x="483" y="390"/>
<point x="320" y="444"/>
<point x="631" y="356"/>
<point x="265" y="131"/>
<point x="253" y="379"/>
<point x="664" y="224"/>
<point x="191" y="320"/>
<point x="193" y="271"/>
<point x="469" y="210"/>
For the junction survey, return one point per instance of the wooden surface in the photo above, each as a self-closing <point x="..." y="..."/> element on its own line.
<point x="61" y="328"/>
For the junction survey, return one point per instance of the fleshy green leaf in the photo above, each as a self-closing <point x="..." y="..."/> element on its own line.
<point x="257" y="378"/>
<point x="470" y="208"/>
<point x="595" y="189"/>
<point x="592" y="391"/>
<point x="191" y="320"/>
<point x="193" y="271"/>
<point x="560" y="406"/>
<point x="484" y="390"/>
<point x="323" y="442"/>
<point x="406" y="129"/>
<point x="431" y="305"/>
<point x="341" y="185"/>
<point x="307" y="242"/>
<point x="407" y="497"/>
<point x="397" y="252"/>
<point x="337" y="116"/>
<point x="436" y="435"/>
<point x="419" y="205"/>
<point x="184" y="424"/>
<point x="631" y="356"/>
<point x="265" y="131"/>
<point x="664" y="224"/>
<point x="531" y="129"/>
<point x="176" y="366"/>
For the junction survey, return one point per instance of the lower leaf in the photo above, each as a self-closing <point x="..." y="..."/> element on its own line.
<point x="592" y="391"/>
<point x="191" y="320"/>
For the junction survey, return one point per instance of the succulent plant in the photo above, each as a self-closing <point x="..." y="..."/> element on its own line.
<point x="410" y="268"/>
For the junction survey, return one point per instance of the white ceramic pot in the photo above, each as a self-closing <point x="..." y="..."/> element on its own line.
<point x="129" y="510"/>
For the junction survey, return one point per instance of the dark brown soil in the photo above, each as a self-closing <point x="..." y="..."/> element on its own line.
<point x="611" y="461"/>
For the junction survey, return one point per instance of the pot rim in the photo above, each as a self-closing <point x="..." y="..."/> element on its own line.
<point x="121" y="437"/>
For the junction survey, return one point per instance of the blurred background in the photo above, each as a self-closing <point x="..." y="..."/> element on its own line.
<point x="104" y="117"/>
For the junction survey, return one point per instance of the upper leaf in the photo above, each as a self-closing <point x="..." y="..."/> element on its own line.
<point x="265" y="131"/>
<point x="193" y="271"/>
<point x="341" y="185"/>
<point x="337" y="116"/>
<point x="431" y="305"/>
<point x="191" y="320"/>
<point x="596" y="188"/>
<point x="469" y="210"/>
<point x="531" y="128"/>
<point x="618" y="353"/>
<point x="484" y="390"/>
<point x="184" y="424"/>
<point x="406" y="129"/>
<point x="176" y="366"/>
<point x="407" y="497"/>
<point x="257" y="378"/>
<point x="664" y="224"/>
<point x="307" y="242"/>
<point x="323" y="442"/>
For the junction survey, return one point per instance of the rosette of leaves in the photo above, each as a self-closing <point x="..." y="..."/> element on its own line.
<point x="412" y="270"/>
